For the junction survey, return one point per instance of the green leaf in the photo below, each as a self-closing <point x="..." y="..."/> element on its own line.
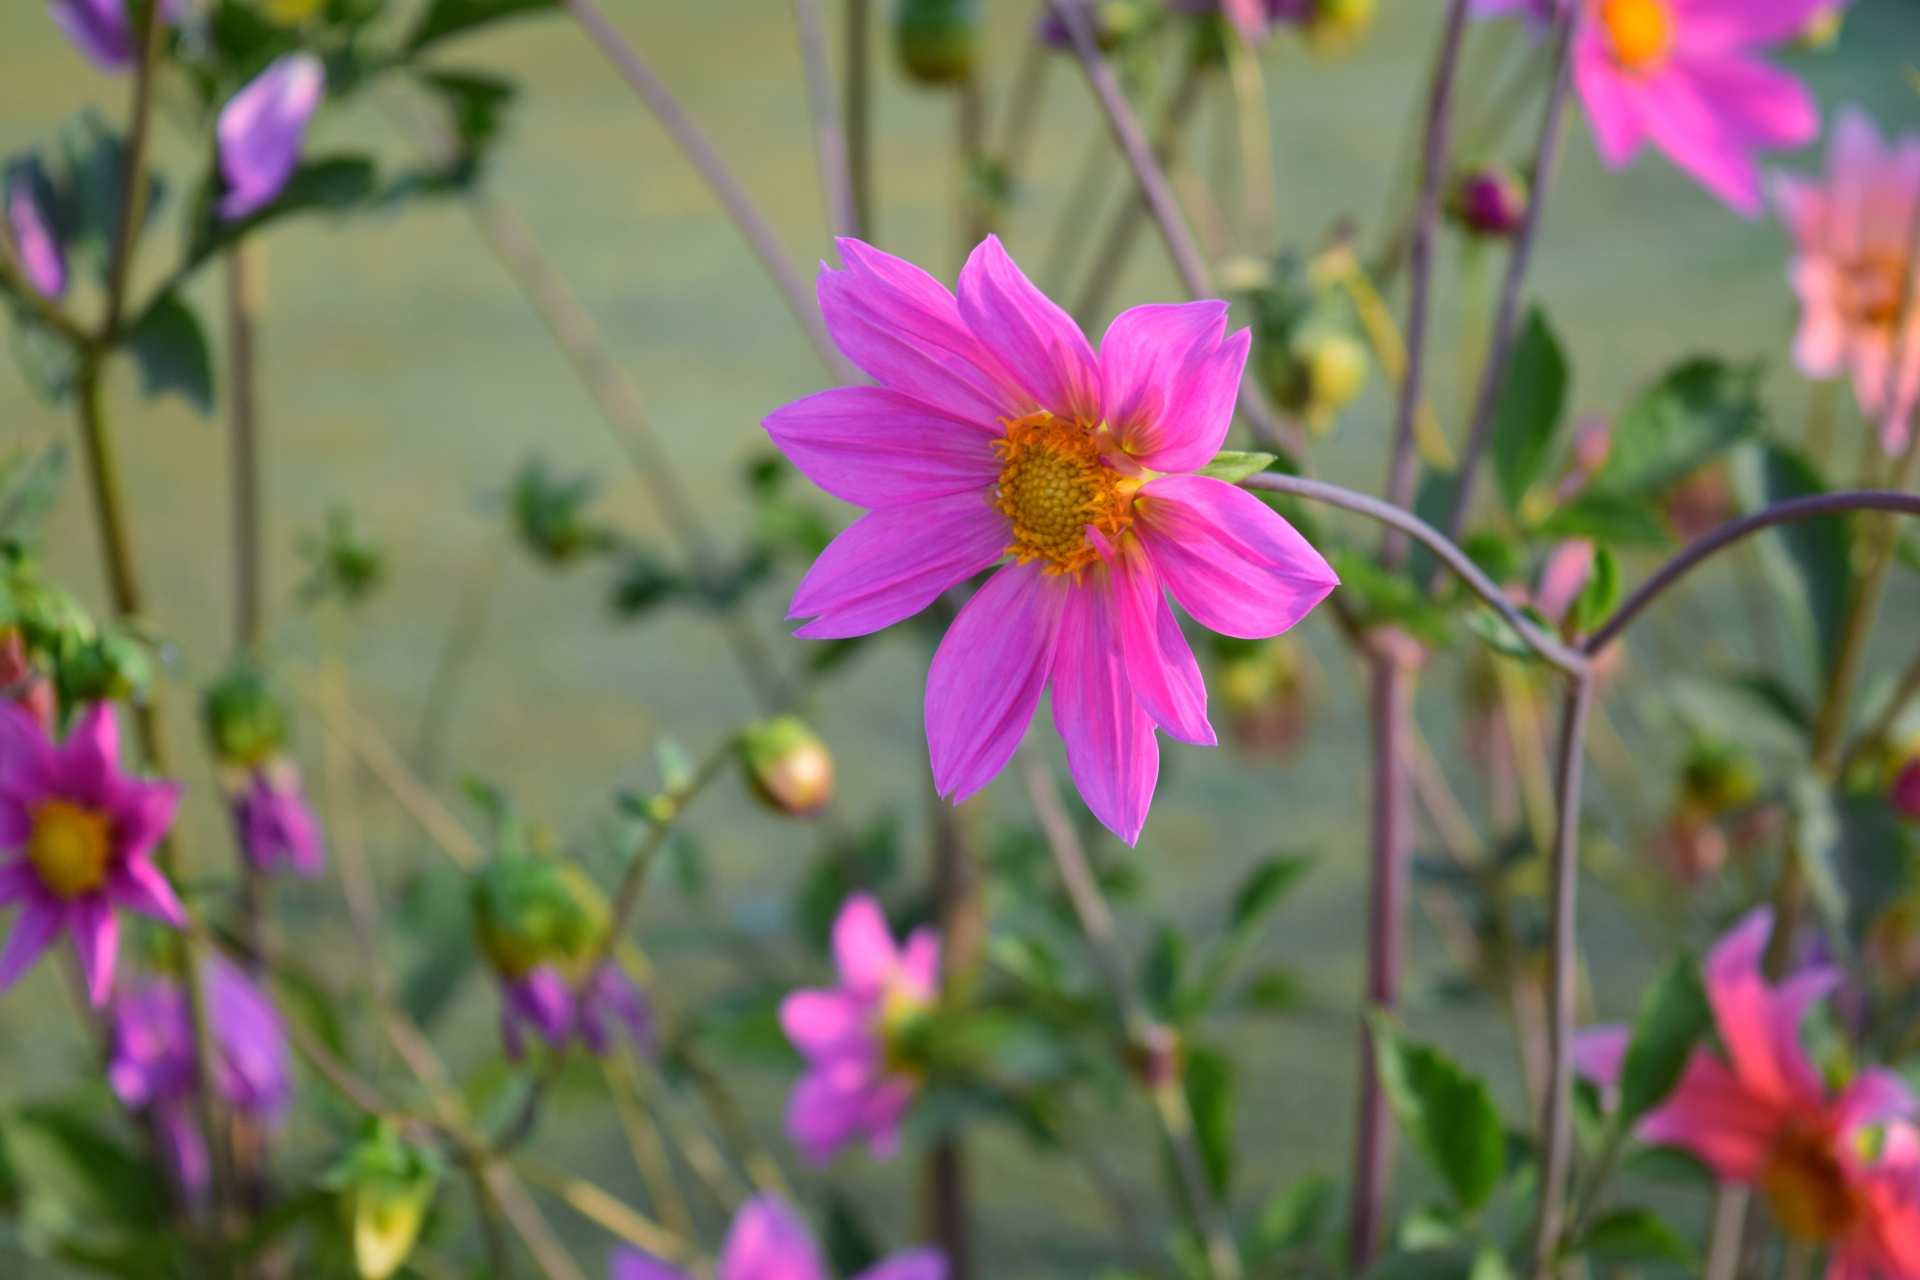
<point x="1607" y="517"/>
<point x="1293" y="1219"/>
<point x="1816" y="842"/>
<point x="1264" y="888"/>
<point x="73" y="1175"/>
<point x="1530" y="409"/>
<point x="450" y="17"/>
<point x="1629" y="1236"/>
<point x="1448" y="1113"/>
<point x="1698" y="409"/>
<point x="319" y="186"/>
<point x="1809" y="563"/>
<point x="1502" y="636"/>
<point x="849" y="1241"/>
<point x="96" y="162"/>
<point x="476" y="107"/>
<point x="1210" y="1093"/>
<point x="1598" y="599"/>
<point x="1674" y="1016"/>
<point x="28" y="490"/>
<point x="1161" y="971"/>
<point x="170" y="349"/>
<point x="1382" y="597"/>
<point x="44" y="359"/>
<point x="1235" y="467"/>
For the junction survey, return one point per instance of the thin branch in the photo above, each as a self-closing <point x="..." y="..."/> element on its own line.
<point x="829" y="137"/>
<point x="597" y="1206"/>
<point x="859" y="120"/>
<point x="243" y="409"/>
<point x="1493" y="375"/>
<point x="700" y="153"/>
<point x="133" y="194"/>
<point x="1703" y="548"/>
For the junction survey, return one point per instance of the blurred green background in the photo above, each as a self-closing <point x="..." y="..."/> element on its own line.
<point x="405" y="375"/>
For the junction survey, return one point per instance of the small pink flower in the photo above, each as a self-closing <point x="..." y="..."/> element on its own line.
<point x="41" y="259"/>
<point x="78" y="838"/>
<point x="1564" y="577"/>
<point x="275" y="824"/>
<point x="262" y="129"/>
<point x="852" y="1087"/>
<point x="1599" y="1053"/>
<point x="997" y="431"/>
<point x="1854" y="270"/>
<point x="1838" y="1169"/>
<point x="768" y="1241"/>
<point x="1686" y="75"/>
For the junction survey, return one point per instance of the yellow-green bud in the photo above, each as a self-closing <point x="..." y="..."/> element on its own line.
<point x="938" y="40"/>
<point x="1338" y="24"/>
<point x="788" y="768"/>
<point x="385" y="1185"/>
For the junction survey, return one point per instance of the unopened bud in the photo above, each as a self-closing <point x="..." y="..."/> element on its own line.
<point x="938" y="40"/>
<point x="530" y="911"/>
<point x="789" y="769"/>
<point x="1823" y="28"/>
<point x="246" y="720"/>
<point x="21" y="683"/>
<point x="1718" y="776"/>
<point x="1491" y="202"/>
<point x="110" y="667"/>
<point x="1338" y="24"/>
<point x="1904" y="795"/>
<point x="386" y="1185"/>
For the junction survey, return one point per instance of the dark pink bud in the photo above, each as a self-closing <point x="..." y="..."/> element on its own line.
<point x="1905" y="793"/>
<point x="1491" y="202"/>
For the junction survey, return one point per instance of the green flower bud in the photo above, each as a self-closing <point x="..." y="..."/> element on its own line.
<point x="938" y="40"/>
<point x="788" y="768"/>
<point x="1337" y="25"/>
<point x="531" y="911"/>
<point x="111" y="666"/>
<point x="549" y="515"/>
<point x="1718" y="776"/>
<point x="245" y="718"/>
<point x="385" y="1185"/>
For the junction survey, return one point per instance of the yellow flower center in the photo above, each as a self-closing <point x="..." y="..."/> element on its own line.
<point x="1810" y="1192"/>
<point x="1873" y="290"/>
<point x="1641" y="31"/>
<point x="70" y="848"/>
<point x="897" y="1022"/>
<point x="1054" y="484"/>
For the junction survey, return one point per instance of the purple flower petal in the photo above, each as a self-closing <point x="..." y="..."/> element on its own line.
<point x="863" y="947"/>
<point x="915" y="1264"/>
<point x="768" y="1241"/>
<point x="1169" y="382"/>
<point x="1228" y="558"/>
<point x="1030" y="334"/>
<point x="877" y="448"/>
<point x="34" y="929"/>
<point x="41" y="260"/>
<point x="262" y="129"/>
<point x="891" y="564"/>
<point x="96" y="940"/>
<point x="1111" y="750"/>
<point x="1160" y="664"/>
<point x="631" y="1264"/>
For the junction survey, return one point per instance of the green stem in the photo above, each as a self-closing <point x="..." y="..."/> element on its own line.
<point x="133" y="195"/>
<point x="859" y="115"/>
<point x="243" y="409"/>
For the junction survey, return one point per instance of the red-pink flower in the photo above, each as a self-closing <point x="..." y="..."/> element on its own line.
<point x="997" y="431"/>
<point x="1686" y="75"/>
<point x="855" y="1086"/>
<point x="78" y="837"/>
<point x="1839" y="1169"/>
<point x="1855" y="270"/>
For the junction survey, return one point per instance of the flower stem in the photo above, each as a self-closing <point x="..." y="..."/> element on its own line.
<point x="960" y="901"/>
<point x="133" y="194"/>
<point x="829" y="126"/>
<point x="859" y="116"/>
<point x="243" y="305"/>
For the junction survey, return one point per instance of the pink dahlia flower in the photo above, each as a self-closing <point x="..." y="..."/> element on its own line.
<point x="1686" y="75"/>
<point x="78" y="837"/>
<point x="768" y="1241"/>
<point x="853" y="1086"/>
<point x="262" y="129"/>
<point x="1839" y="1169"/>
<point x="1855" y="271"/>
<point x="996" y="432"/>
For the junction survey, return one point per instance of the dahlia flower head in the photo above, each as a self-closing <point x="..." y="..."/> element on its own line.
<point x="1839" y="1168"/>
<point x="262" y="129"/>
<point x="154" y="1059"/>
<point x="1687" y="76"/>
<point x="100" y="30"/>
<point x="768" y="1241"/>
<point x="855" y="1084"/>
<point x="1856" y="272"/>
<point x="996" y="432"/>
<point x="77" y="838"/>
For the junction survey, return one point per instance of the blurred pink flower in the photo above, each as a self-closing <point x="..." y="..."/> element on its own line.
<point x="262" y="129"/>
<point x="997" y="431"/>
<point x="544" y="1002"/>
<point x="852" y="1087"/>
<point x="276" y="826"/>
<point x="100" y="31"/>
<point x="768" y="1241"/>
<point x="1838" y="1169"/>
<point x="1599" y="1053"/>
<point x="80" y="836"/>
<point x="1855" y="270"/>
<point x="1564" y="577"/>
<point x="41" y="260"/>
<point x="1686" y="75"/>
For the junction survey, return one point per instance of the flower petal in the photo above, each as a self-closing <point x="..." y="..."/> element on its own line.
<point x="140" y="886"/>
<point x="87" y="762"/>
<point x="1111" y="750"/>
<point x="863" y="947"/>
<point x="1033" y="338"/>
<point x="768" y="1241"/>
<point x="1599" y="1053"/>
<point x="1169" y="382"/>
<point x="1759" y="1025"/>
<point x="915" y="1264"/>
<point x="889" y="565"/>
<point x="631" y="1264"/>
<point x="18" y="880"/>
<point x="877" y="448"/>
<point x="919" y="973"/>
<point x="988" y="674"/>
<point x="902" y="326"/>
<point x="1160" y="665"/>
<point x="827" y="1106"/>
<point x="34" y="930"/>
<point x="1613" y="107"/>
<point x="1875" y="1096"/>
<point x="143" y="813"/>
<point x="1713" y="1116"/>
<point x="96" y="940"/>
<point x="1230" y="560"/>
<point x="822" y="1024"/>
<point x="261" y="131"/>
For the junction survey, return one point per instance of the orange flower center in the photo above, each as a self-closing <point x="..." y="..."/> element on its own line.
<point x="1810" y="1192"/>
<point x="1640" y="31"/>
<point x="1053" y="485"/>
<point x="70" y="848"/>
<point x="1873" y="290"/>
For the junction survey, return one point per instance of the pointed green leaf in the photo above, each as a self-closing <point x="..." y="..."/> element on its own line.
<point x="170" y="349"/>
<point x="1531" y="406"/>
<point x="1235" y="467"/>
<point x="1447" y="1112"/>
<point x="1629" y="1236"/>
<point x="1674" y="1016"/>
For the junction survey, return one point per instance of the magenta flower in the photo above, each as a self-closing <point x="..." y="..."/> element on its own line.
<point x="153" y="1059"/>
<point x="262" y="129"/>
<point x="768" y="1241"/>
<point x="1569" y="566"/>
<point x="1599" y="1053"/>
<point x="1686" y="75"/>
<point x="1839" y="1170"/>
<point x="41" y="259"/>
<point x="610" y="1003"/>
<point x="1855" y="270"/>
<point x="100" y="31"/>
<point x="854" y="1086"/>
<point x="543" y="1002"/>
<point x="997" y="431"/>
<point x="276" y="826"/>
<point x="78" y="836"/>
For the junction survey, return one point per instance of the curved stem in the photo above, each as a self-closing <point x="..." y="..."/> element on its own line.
<point x="1552" y="651"/>
<point x="700" y="153"/>
<point x="133" y="194"/>
<point x="829" y="134"/>
<point x="1493" y="375"/>
<point x="1703" y="548"/>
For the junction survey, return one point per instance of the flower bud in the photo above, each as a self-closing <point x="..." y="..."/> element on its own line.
<point x="386" y="1185"/>
<point x="1822" y="31"/>
<point x="531" y="911"/>
<point x="1700" y="503"/>
<point x="1717" y="777"/>
<point x="106" y="668"/>
<point x="246" y="720"/>
<point x="1338" y="24"/>
<point x="1691" y="846"/>
<point x="1491" y="202"/>
<point x="788" y="768"/>
<point x="273" y="821"/>
<point x="938" y="40"/>
<point x="21" y="683"/>
<point x="1904" y="795"/>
